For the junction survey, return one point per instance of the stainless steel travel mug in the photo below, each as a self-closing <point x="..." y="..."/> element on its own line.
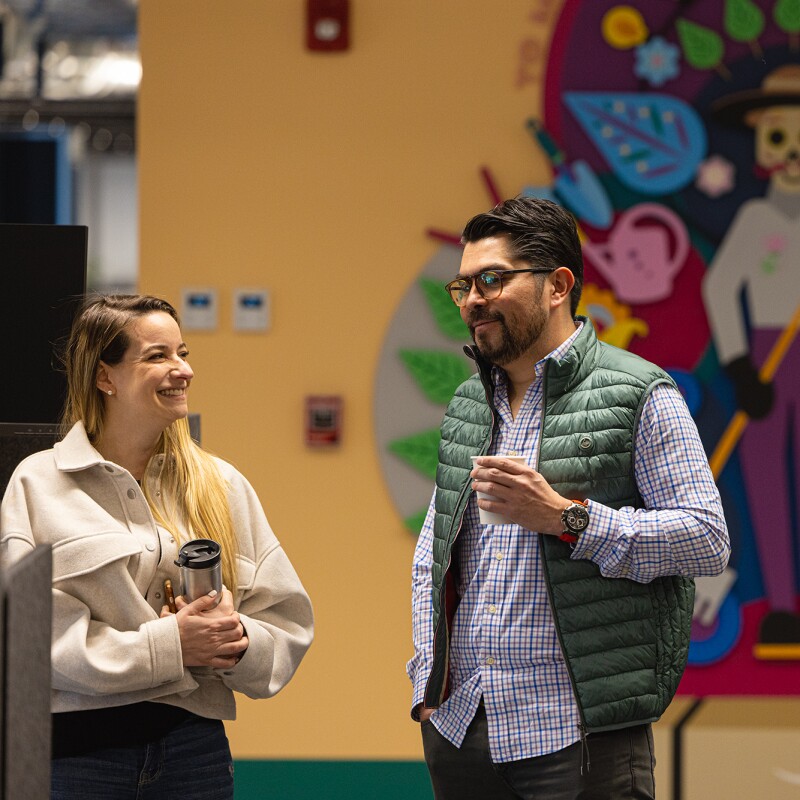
<point x="201" y="569"/>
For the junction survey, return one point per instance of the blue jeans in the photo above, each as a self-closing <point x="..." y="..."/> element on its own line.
<point x="193" y="760"/>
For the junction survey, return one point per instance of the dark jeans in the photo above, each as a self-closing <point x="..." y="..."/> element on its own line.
<point x="620" y="767"/>
<point x="193" y="760"/>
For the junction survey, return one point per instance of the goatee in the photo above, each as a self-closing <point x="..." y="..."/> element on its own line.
<point x="514" y="342"/>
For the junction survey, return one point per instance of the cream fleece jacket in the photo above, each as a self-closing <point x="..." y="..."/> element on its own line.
<point x="110" y="560"/>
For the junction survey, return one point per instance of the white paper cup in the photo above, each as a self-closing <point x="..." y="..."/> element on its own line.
<point x="490" y="517"/>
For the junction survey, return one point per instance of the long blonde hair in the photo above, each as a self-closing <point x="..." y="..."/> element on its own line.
<point x="193" y="493"/>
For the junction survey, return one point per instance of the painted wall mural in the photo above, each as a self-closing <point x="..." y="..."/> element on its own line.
<point x="673" y="132"/>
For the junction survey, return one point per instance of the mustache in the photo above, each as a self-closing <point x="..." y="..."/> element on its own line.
<point x="483" y="316"/>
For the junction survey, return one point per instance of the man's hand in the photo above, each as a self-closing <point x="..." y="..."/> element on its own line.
<point x="519" y="493"/>
<point x="425" y="714"/>
<point x="754" y="397"/>
<point x="710" y="594"/>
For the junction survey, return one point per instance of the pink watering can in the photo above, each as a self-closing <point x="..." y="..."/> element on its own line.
<point x="646" y="248"/>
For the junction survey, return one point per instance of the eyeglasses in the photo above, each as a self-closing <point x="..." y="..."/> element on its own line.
<point x="489" y="284"/>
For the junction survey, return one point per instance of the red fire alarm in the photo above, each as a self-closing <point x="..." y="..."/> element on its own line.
<point x="323" y="420"/>
<point x="328" y="25"/>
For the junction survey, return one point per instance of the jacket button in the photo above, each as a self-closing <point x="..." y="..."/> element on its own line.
<point x="107" y="468"/>
<point x="131" y="494"/>
<point x="150" y="546"/>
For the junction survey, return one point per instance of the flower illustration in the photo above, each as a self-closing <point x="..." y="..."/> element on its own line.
<point x="776" y="243"/>
<point x="656" y="61"/>
<point x="715" y="176"/>
<point x="624" y="27"/>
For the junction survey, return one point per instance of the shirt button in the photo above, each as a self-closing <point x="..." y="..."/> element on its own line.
<point x="489" y="661"/>
<point x="492" y="609"/>
<point x="512" y="452"/>
<point x="158" y="595"/>
<point x="131" y="494"/>
<point x="498" y="556"/>
<point x="150" y="546"/>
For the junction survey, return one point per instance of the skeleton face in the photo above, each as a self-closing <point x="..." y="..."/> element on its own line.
<point x="778" y="144"/>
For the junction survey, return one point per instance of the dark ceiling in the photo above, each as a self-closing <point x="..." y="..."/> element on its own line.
<point x="49" y="66"/>
<point x="78" y="18"/>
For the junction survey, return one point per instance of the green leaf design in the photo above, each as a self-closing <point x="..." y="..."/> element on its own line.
<point x="702" y="47"/>
<point x="437" y="374"/>
<point x="415" y="522"/>
<point x="420" y="451"/>
<point x="787" y="15"/>
<point x="744" y="20"/>
<point x="445" y="312"/>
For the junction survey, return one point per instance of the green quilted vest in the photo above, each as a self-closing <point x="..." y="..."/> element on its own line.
<point x="625" y="643"/>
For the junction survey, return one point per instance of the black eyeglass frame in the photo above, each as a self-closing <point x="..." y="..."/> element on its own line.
<point x="476" y="280"/>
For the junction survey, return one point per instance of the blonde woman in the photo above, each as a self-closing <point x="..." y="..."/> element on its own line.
<point x="139" y="692"/>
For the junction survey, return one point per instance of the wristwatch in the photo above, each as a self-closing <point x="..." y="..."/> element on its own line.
<point x="574" y="518"/>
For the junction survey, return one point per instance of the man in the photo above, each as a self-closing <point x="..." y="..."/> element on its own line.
<point x="545" y="647"/>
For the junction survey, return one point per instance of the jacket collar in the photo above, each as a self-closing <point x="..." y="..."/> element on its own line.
<point x="577" y="363"/>
<point x="75" y="452"/>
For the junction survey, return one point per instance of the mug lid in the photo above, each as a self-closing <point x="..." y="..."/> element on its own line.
<point x="199" y="554"/>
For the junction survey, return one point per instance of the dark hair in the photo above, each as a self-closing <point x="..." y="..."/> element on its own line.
<point x="539" y="232"/>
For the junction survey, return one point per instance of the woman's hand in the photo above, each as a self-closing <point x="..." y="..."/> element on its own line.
<point x="211" y="636"/>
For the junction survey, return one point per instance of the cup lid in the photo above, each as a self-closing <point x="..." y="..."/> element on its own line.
<point x="199" y="554"/>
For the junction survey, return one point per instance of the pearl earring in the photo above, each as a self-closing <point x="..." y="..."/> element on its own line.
<point x="110" y="392"/>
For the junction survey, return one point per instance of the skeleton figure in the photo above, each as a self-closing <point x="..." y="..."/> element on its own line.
<point x="760" y="257"/>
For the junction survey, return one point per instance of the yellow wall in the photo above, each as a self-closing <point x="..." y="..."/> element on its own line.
<point x="315" y="176"/>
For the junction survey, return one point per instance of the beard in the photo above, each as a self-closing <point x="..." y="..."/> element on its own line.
<point x="515" y="340"/>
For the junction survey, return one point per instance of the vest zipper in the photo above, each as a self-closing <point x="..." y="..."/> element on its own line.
<point x="584" y="748"/>
<point x="443" y="590"/>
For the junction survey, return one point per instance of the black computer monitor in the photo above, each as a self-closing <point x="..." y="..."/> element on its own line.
<point x="42" y="281"/>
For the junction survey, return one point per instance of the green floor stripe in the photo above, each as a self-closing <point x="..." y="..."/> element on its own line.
<point x="332" y="780"/>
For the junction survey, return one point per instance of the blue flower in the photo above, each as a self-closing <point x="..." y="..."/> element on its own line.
<point x="656" y="61"/>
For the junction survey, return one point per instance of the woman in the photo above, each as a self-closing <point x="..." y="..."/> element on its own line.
<point x="139" y="692"/>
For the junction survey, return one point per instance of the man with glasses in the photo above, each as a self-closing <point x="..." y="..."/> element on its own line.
<point x="546" y="643"/>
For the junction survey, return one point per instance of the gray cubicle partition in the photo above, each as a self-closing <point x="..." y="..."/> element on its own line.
<point x="26" y="602"/>
<point x="25" y="613"/>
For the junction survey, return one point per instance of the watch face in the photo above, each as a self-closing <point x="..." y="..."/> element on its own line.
<point x="575" y="518"/>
